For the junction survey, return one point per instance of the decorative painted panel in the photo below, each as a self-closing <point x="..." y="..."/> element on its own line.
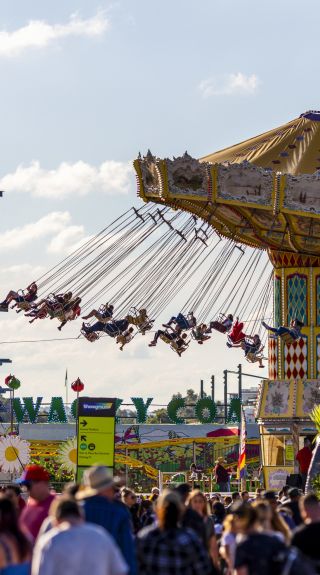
<point x="297" y="298"/>
<point x="273" y="357"/>
<point x="318" y="298"/>
<point x="296" y="359"/>
<point x="277" y="301"/>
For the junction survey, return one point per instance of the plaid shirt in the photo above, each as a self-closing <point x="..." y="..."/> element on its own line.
<point x="173" y="552"/>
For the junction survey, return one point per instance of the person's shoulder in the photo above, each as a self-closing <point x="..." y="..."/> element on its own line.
<point x="97" y="533"/>
<point x="48" y="538"/>
<point x="150" y="531"/>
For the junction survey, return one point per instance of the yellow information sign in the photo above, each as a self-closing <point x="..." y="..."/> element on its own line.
<point x="96" y="431"/>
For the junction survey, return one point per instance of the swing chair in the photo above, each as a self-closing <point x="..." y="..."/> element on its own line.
<point x="89" y="336"/>
<point x="21" y="305"/>
<point x="140" y="319"/>
<point x="173" y="345"/>
<point x="218" y="324"/>
<point x="253" y="357"/>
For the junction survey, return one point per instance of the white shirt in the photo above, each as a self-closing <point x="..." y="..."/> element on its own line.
<point x="84" y="549"/>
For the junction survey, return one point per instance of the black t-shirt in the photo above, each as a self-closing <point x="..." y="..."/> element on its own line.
<point x="307" y="539"/>
<point x="262" y="554"/>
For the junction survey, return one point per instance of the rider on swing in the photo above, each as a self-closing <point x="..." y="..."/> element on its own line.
<point x="140" y="320"/>
<point x="236" y="335"/>
<point x="199" y="333"/>
<point x="29" y="297"/>
<point x="224" y="326"/>
<point x="294" y="329"/>
<point x="182" y="321"/>
<point x="104" y="316"/>
<point x="114" y="328"/>
<point x="49" y="306"/>
<point x="125" y="337"/>
<point x="251" y="345"/>
<point x="174" y="336"/>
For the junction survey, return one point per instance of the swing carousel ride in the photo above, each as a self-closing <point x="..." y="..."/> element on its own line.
<point x="206" y="235"/>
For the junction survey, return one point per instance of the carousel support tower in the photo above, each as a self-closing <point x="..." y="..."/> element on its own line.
<point x="265" y="193"/>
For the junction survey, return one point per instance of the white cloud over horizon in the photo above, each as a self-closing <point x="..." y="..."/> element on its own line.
<point x="39" y="34"/>
<point x="79" y="178"/>
<point x="229" y="84"/>
<point x="57" y="224"/>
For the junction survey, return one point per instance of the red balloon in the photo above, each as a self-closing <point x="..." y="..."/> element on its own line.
<point x="77" y="385"/>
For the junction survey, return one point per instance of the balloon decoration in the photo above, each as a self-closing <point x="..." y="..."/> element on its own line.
<point x="77" y="385"/>
<point x="12" y="382"/>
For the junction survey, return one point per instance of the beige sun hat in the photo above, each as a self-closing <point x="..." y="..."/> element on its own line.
<point x="221" y="460"/>
<point x="95" y="480"/>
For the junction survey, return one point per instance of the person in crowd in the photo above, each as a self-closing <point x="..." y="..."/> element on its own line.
<point x="15" y="547"/>
<point x="303" y="458"/>
<point x="129" y="498"/>
<point x="293" y="505"/>
<point x="294" y="329"/>
<point x="104" y="314"/>
<point x="245" y="497"/>
<point x="36" y="479"/>
<point x="13" y="492"/>
<point x="228" y="544"/>
<point x="73" y="546"/>
<point x="182" y="321"/>
<point x="218" y="516"/>
<point x="190" y="518"/>
<point x="279" y="511"/>
<point x="271" y="521"/>
<point x="147" y="513"/>
<point x="169" y="548"/>
<point x="307" y="536"/>
<point x="155" y="492"/>
<point x="258" y="493"/>
<point x="28" y="297"/>
<point x="222" y="475"/>
<point x="283" y="493"/>
<point x="227" y="501"/>
<point x="97" y="497"/>
<point x="257" y="551"/>
<point x="198" y="502"/>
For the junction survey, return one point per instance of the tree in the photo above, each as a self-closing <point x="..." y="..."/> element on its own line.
<point x="158" y="416"/>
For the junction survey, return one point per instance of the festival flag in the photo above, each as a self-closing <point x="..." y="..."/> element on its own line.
<point x="242" y="447"/>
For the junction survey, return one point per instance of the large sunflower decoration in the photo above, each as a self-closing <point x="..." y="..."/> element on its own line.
<point x="14" y="453"/>
<point x="67" y="455"/>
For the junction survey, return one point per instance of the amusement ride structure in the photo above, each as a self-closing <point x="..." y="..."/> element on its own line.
<point x="265" y="193"/>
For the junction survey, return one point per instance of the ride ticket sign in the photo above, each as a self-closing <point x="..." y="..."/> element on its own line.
<point x="95" y="432"/>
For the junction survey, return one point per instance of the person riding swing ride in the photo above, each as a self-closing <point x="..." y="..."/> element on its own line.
<point x="253" y="348"/>
<point x="125" y="337"/>
<point x="223" y="324"/>
<point x="103" y="314"/>
<point x="51" y="306"/>
<point x="23" y="299"/>
<point x="113" y="329"/>
<point x="175" y="338"/>
<point x="183" y="322"/>
<point x="236" y="335"/>
<point x="139" y="318"/>
<point x="199" y="333"/>
<point x="288" y="334"/>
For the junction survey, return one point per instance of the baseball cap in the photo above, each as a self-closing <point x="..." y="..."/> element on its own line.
<point x="33" y="473"/>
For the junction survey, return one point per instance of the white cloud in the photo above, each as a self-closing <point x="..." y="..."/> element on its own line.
<point x="50" y="224"/>
<point x="229" y="84"/>
<point x="39" y="34"/>
<point x="68" y="240"/>
<point x="67" y="179"/>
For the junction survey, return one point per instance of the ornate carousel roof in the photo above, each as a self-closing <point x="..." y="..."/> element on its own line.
<point x="264" y="192"/>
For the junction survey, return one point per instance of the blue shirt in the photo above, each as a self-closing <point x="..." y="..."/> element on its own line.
<point x="115" y="518"/>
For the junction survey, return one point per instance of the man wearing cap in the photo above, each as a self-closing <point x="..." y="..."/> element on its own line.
<point x="222" y="475"/>
<point x="99" y="506"/>
<point x="36" y="480"/>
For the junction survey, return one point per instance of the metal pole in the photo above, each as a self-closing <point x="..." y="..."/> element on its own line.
<point x="240" y="381"/>
<point x="212" y="388"/>
<point x="201" y="388"/>
<point x="225" y="381"/>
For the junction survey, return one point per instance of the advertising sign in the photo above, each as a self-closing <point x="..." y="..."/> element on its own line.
<point x="96" y="432"/>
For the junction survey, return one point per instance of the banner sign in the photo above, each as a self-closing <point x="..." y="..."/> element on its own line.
<point x="96" y="432"/>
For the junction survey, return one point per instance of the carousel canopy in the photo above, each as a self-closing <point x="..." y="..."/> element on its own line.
<point x="264" y="192"/>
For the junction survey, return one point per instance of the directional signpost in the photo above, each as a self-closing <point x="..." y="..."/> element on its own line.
<point x="96" y="431"/>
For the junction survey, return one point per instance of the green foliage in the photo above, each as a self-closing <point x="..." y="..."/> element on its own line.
<point x="234" y="413"/>
<point x="173" y="406"/>
<point x="205" y="410"/>
<point x="57" y="413"/>
<point x="158" y="416"/>
<point x="27" y="410"/>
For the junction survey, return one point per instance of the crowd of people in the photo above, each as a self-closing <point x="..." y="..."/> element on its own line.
<point x="103" y="528"/>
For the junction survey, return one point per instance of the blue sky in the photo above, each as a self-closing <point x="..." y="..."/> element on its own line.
<point x="85" y="87"/>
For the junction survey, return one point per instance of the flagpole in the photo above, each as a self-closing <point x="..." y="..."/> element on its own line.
<point x="66" y="386"/>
